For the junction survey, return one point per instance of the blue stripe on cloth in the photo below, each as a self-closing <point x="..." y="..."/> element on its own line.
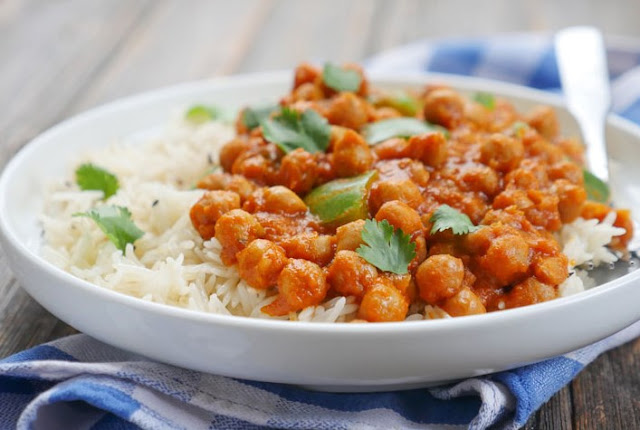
<point x="546" y="76"/>
<point x="532" y="386"/>
<point x="98" y="395"/>
<point x="454" y="57"/>
<point x="113" y="422"/>
<point x="632" y="112"/>
<point x="19" y="385"/>
<point x="11" y="406"/>
<point x="415" y="405"/>
<point x="41" y="352"/>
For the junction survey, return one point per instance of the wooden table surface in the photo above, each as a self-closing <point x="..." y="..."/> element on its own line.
<point x="60" y="57"/>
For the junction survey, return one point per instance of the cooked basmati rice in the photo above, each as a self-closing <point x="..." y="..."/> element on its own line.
<point x="171" y="264"/>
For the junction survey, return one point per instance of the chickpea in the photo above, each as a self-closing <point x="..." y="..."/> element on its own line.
<point x="257" y="164"/>
<point x="231" y="150"/>
<point x="566" y="170"/>
<point x="350" y="275"/>
<point x="544" y="120"/>
<point x="349" y="236"/>
<point x="512" y="197"/>
<point x="477" y="114"/>
<point x="260" y="263"/>
<point x="214" y="181"/>
<point x="403" y="283"/>
<point x="305" y="73"/>
<point x="439" y="277"/>
<point x="235" y="230"/>
<point x="430" y="148"/>
<point x="225" y="181"/>
<point x="469" y="278"/>
<point x="571" y="198"/>
<point x="530" y="175"/>
<point x="417" y="173"/>
<point x="503" y="115"/>
<point x="546" y="151"/>
<point x="348" y="110"/>
<point x="382" y="302"/>
<point x="277" y="199"/>
<point x="404" y="190"/>
<point x="444" y="106"/>
<point x="465" y="302"/>
<point x="573" y="148"/>
<point x="481" y="179"/>
<point x="302" y="283"/>
<point x="307" y="92"/>
<point x="241" y="186"/>
<point x="298" y="171"/>
<point x="280" y="199"/>
<point x="444" y="247"/>
<point x="529" y="292"/>
<point x="501" y="152"/>
<point x="400" y="215"/>
<point x="551" y="270"/>
<point x="594" y="210"/>
<point x="393" y="148"/>
<point x="477" y="242"/>
<point x="545" y="211"/>
<point x="351" y="154"/>
<point x="507" y="259"/>
<point x="208" y="210"/>
<point x="403" y="168"/>
<point x="315" y="247"/>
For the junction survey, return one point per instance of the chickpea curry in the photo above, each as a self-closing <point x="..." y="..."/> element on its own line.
<point x="399" y="199"/>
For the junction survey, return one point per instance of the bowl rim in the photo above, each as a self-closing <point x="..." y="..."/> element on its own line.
<point x="241" y="322"/>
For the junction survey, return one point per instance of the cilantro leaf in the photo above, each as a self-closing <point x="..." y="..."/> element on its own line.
<point x="252" y="117"/>
<point x="92" y="177"/>
<point x="596" y="189"/>
<point x="388" y="249"/>
<point x="291" y="130"/>
<point x="400" y="100"/>
<point x="340" y="78"/>
<point x="199" y="114"/>
<point x="380" y="131"/>
<point x="446" y="217"/>
<point x="485" y="99"/>
<point x="116" y="223"/>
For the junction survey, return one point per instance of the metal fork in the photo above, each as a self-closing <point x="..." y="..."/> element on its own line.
<point x="584" y="75"/>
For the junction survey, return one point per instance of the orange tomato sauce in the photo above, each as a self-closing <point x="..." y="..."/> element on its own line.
<point x="511" y="173"/>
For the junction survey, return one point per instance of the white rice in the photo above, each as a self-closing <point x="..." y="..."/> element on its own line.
<point x="171" y="264"/>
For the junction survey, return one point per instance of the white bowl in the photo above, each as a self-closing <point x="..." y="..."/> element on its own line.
<point x="338" y="357"/>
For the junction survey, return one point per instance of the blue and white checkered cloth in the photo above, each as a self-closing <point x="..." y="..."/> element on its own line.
<point x="80" y="383"/>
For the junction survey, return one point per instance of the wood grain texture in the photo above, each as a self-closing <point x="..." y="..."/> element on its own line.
<point x="555" y="414"/>
<point x="55" y="51"/>
<point x="607" y="394"/>
<point x="201" y="45"/>
<point x="64" y="56"/>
